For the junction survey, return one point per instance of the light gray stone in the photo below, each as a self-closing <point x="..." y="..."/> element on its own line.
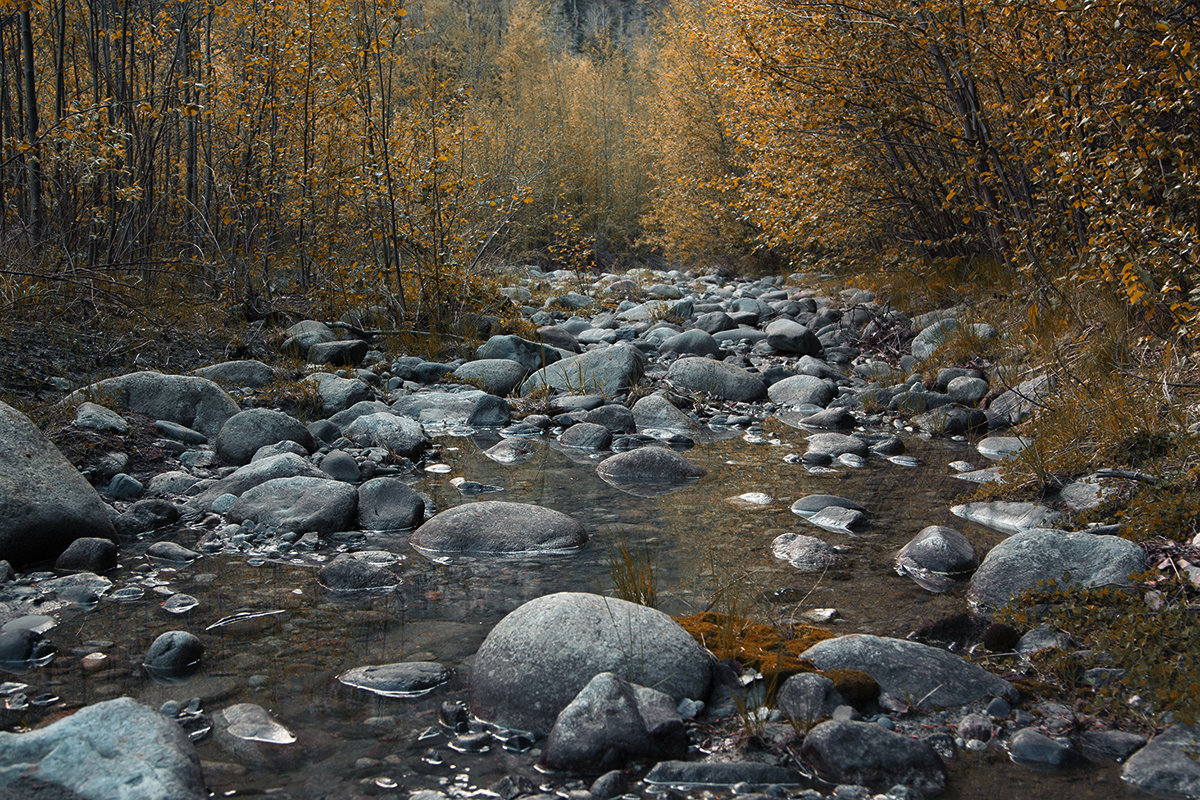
<point x="609" y="371"/>
<point x="802" y="390"/>
<point x="497" y="376"/>
<point x="246" y="431"/>
<point x="298" y="504"/>
<point x="195" y="402"/>
<point x="499" y="528"/>
<point x="717" y="378"/>
<point x="397" y="434"/>
<point x="248" y="373"/>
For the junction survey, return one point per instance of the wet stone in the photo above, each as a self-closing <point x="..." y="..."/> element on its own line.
<point x="405" y="679"/>
<point x="174" y="656"/>
<point x="1031" y="748"/>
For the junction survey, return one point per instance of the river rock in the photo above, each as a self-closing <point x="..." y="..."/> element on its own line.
<point x="951" y="420"/>
<point x="304" y="334"/>
<point x="405" y="679"/>
<point x="866" y="754"/>
<point x="444" y="409"/>
<point x="653" y="465"/>
<point x="791" y="338"/>
<point x="489" y="411"/>
<point x="615" y="417"/>
<point x="605" y="726"/>
<point x="345" y="573"/>
<point x="88" y="554"/>
<point x="300" y="503"/>
<point x="609" y="371"/>
<point x="717" y="378"/>
<point x="1023" y="559"/>
<point x="530" y="355"/>
<point x="712" y="322"/>
<point x="246" y="431"/>
<point x="45" y="504"/>
<point x="497" y="376"/>
<point x="802" y="390"/>
<point x="495" y="527"/>
<point x="836" y="444"/>
<point x="341" y="466"/>
<point x="999" y="448"/>
<point x="147" y="515"/>
<point x="692" y="342"/>
<point x="1032" y="748"/>
<point x="1167" y="765"/>
<point x="937" y="558"/>
<point x="98" y="418"/>
<point x="586" y="436"/>
<point x="1017" y="404"/>
<point x="286" y="465"/>
<point x="805" y="553"/>
<point x="174" y="655"/>
<point x="116" y="749"/>
<point x="810" y="504"/>
<point x="195" y="402"/>
<point x="396" y="434"/>
<point x="1007" y="516"/>
<point x="696" y="774"/>
<point x="248" y="373"/>
<point x="343" y="353"/>
<point x="656" y="412"/>
<point x="338" y="394"/>
<point x="389" y="504"/>
<point x="538" y="658"/>
<point x="915" y="673"/>
<point x="808" y="697"/>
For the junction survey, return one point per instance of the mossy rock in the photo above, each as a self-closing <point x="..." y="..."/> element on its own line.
<point x="774" y="653"/>
<point x="859" y="688"/>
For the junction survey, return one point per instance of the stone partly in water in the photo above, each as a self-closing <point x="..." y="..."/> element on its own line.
<point x="252" y="723"/>
<point x="45" y="504"/>
<point x="389" y="504"/>
<point x="173" y="657"/>
<point x="608" y="372"/>
<point x="648" y="471"/>
<point x="805" y="553"/>
<point x="400" y="435"/>
<point x="499" y="528"/>
<point x="345" y="573"/>
<point x="116" y="749"/>
<point x="298" y="504"/>
<point x="937" y="558"/>
<point x="717" y="378"/>
<point x="862" y="753"/>
<point x="1007" y="516"/>
<point x="910" y="671"/>
<point x="1167" y="765"/>
<point x="1021" y="560"/>
<point x="405" y="679"/>
<point x="538" y="658"/>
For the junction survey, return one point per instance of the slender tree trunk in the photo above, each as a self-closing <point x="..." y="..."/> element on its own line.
<point x="33" y="164"/>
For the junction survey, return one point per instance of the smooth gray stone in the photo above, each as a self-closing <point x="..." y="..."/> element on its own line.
<point x="792" y="338"/>
<point x="147" y="515"/>
<point x="713" y="322"/>
<point x="692" y="342"/>
<point x="937" y="558"/>
<point x="866" y="754"/>
<point x="1017" y="404"/>
<point x="304" y="334"/>
<point x="716" y="378"/>
<point x="88" y="554"/>
<point x="586" y="436"/>
<point x="600" y="729"/>
<point x="615" y="417"/>
<point x="810" y="504"/>
<point x="286" y="465"/>
<point x="279" y="448"/>
<point x="808" y="697"/>
<point x="445" y="409"/>
<point x="117" y="749"/>
<point x="538" y="658"/>
<point x="802" y="390"/>
<point x="342" y="419"/>
<point x="195" y="402"/>
<point x="403" y="679"/>
<point x="1023" y="559"/>
<point x="341" y="466"/>
<point x="910" y="671"/>
<point x="999" y="448"/>
<point x="1007" y="516"/>
<point x="489" y="411"/>
<point x="967" y="390"/>
<point x="45" y="504"/>
<point x="648" y="464"/>
<point x="499" y="528"/>
<point x="170" y="551"/>
<point x="299" y="503"/>
<point x="338" y="394"/>
<point x="609" y="371"/>
<point x="656" y="412"/>
<point x="1032" y="748"/>
<point x="343" y="353"/>
<point x="835" y="444"/>
<point x="246" y="431"/>
<point x="180" y="433"/>
<point x="98" y="418"/>
<point x="951" y="420"/>
<point x="345" y="573"/>
<point x="497" y="376"/>
<point x="530" y="355"/>
<point x="250" y="373"/>
<point x="173" y="655"/>
<point x="389" y="504"/>
<point x="839" y="520"/>
<point x="397" y="434"/>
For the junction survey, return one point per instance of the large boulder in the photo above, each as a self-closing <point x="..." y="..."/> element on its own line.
<point x="656" y="412"/>
<point x="538" y="658"/>
<point x="802" y="390"/>
<point x="493" y="527"/>
<point x="117" y="750"/>
<point x="389" y="504"/>
<point x="1167" y="766"/>
<point x="45" y="504"/>
<point x="1023" y="559"/>
<point x="790" y="337"/>
<point x="609" y="371"/>
<point x="338" y="394"/>
<point x="870" y="755"/>
<point x="910" y="671"/>
<point x="194" y="402"/>
<point x="400" y="435"/>
<point x="299" y="504"/>
<point x="717" y="378"/>
<point x="246" y="431"/>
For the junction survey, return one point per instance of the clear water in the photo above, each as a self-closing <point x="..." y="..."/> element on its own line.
<point x="351" y="743"/>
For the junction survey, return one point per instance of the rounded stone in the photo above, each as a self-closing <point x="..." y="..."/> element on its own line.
<point x="174" y="655"/>
<point x="246" y="431"/>
<point x="88" y="554"/>
<point x="538" y="658"/>
<point x="495" y="527"/>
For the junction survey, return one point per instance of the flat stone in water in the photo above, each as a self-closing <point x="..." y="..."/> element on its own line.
<point x="810" y="504"/>
<point x="129" y="593"/>
<point x="839" y="520"/>
<point x="751" y="500"/>
<point x="34" y="623"/>
<point x="982" y="475"/>
<point x="179" y="604"/>
<point x="252" y="723"/>
<point x="852" y="460"/>
<point x="725" y="773"/>
<point x="999" y="448"/>
<point x="1006" y="516"/>
<point x="405" y="679"/>
<point x="805" y="553"/>
<point x="905" y="461"/>
<point x="510" y="451"/>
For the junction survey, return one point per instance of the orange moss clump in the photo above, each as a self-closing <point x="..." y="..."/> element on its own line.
<point x="774" y="653"/>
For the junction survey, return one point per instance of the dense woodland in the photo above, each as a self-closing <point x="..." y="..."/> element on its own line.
<point x="377" y="152"/>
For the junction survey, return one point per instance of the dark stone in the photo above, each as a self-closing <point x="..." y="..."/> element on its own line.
<point x="389" y="504"/>
<point x="494" y="527"/>
<point x="870" y="755"/>
<point x="174" y="655"/>
<point x="349" y="574"/>
<point x="1032" y="748"/>
<point x="88" y="554"/>
<point x="720" y="773"/>
<point x="246" y="431"/>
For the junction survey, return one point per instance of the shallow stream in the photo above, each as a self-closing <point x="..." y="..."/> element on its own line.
<point x="704" y="546"/>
